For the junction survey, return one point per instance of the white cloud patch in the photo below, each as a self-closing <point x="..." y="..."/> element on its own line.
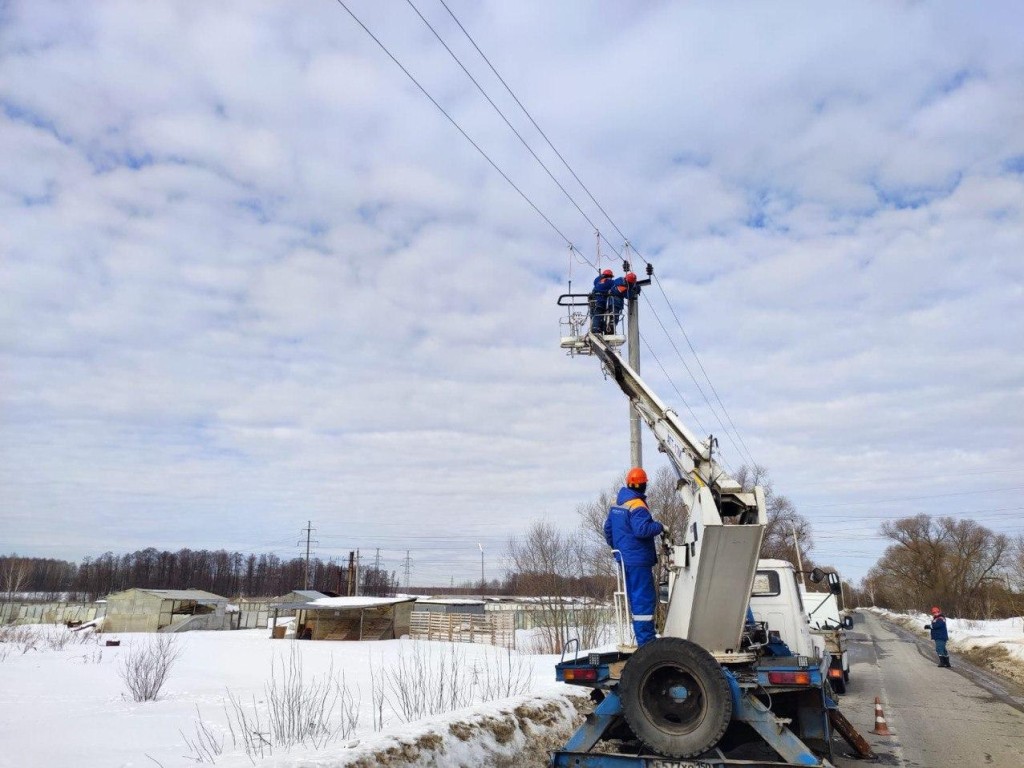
<point x="252" y="277"/>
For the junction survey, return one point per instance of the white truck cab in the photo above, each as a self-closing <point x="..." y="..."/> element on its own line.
<point x="775" y="600"/>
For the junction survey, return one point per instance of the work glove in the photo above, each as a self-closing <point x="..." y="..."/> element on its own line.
<point x="927" y="626"/>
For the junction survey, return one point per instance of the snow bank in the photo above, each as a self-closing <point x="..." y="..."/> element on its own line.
<point x="513" y="732"/>
<point x="968" y="634"/>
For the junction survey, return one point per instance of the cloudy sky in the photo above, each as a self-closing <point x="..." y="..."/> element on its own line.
<point x="252" y="277"/>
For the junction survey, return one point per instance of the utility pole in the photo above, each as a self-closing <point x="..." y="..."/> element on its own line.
<point x="482" y="582"/>
<point x="358" y="568"/>
<point x="636" y="457"/>
<point x="350" y="587"/>
<point x="799" y="560"/>
<point x="308" y="530"/>
<point x="408" y="565"/>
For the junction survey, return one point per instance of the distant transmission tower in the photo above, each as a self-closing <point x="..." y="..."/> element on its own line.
<point x="408" y="565"/>
<point x="308" y="530"/>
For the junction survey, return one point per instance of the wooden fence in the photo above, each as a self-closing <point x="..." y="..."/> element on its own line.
<point x="489" y="628"/>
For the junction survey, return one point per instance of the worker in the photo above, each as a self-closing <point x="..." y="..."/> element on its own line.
<point x="631" y="530"/>
<point x="598" y="300"/>
<point x="622" y="288"/>
<point x="940" y="635"/>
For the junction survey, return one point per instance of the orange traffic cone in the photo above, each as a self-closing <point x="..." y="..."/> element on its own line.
<point x="880" y="727"/>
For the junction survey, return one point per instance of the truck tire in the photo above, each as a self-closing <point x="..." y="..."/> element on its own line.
<point x="838" y="684"/>
<point x="675" y="697"/>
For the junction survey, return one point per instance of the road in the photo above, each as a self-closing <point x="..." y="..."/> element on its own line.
<point x="940" y="718"/>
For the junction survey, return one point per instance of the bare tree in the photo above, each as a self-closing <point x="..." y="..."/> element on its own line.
<point x="144" y="668"/>
<point x="663" y="499"/>
<point x="14" y="575"/>
<point x="553" y="567"/>
<point x="783" y="518"/>
<point x="940" y="561"/>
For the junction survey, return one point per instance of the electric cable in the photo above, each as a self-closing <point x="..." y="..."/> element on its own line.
<point x="699" y="389"/>
<point x="539" y="129"/>
<point x="458" y="127"/>
<point x="747" y="454"/>
<point x="503" y="117"/>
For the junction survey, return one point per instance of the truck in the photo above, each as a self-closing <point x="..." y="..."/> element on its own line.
<point x="829" y="625"/>
<point x="718" y="683"/>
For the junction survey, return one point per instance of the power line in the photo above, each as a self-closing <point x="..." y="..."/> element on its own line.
<point x="539" y="129"/>
<point x="702" y="369"/>
<point x="459" y="127"/>
<point x="502" y="114"/>
<point x="747" y="454"/>
<point x="914" y="498"/>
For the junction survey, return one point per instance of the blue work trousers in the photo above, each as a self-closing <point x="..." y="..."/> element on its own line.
<point x="940" y="648"/>
<point x="642" y="600"/>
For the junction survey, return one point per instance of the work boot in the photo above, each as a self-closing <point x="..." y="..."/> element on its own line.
<point x="944" y="662"/>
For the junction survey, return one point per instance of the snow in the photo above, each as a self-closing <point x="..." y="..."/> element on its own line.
<point x="77" y="691"/>
<point x="969" y="633"/>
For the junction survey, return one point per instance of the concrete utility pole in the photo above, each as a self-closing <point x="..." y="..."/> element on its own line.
<point x="482" y="581"/>
<point x="350" y="587"/>
<point x="308" y="530"/>
<point x="799" y="560"/>
<point x="636" y="456"/>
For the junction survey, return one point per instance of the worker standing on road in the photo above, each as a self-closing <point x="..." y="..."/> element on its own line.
<point x="631" y="530"/>
<point x="940" y="635"/>
<point x="598" y="300"/>
<point x="622" y="288"/>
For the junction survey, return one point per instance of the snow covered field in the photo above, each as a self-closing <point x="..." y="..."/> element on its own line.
<point x="70" y="705"/>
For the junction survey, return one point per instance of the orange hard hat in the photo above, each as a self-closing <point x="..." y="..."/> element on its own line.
<point x="607" y="273"/>
<point x="636" y="476"/>
<point x="630" y="277"/>
<point x="936" y="610"/>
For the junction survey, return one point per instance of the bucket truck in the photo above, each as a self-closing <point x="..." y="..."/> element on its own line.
<point x="715" y="683"/>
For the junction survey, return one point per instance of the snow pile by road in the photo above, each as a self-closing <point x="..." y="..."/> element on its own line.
<point x="969" y="634"/>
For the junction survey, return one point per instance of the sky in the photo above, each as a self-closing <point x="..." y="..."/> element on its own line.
<point x="253" y="277"/>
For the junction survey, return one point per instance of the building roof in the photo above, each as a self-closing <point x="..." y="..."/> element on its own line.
<point x="198" y="595"/>
<point x="450" y="601"/>
<point x="308" y="594"/>
<point x="345" y="603"/>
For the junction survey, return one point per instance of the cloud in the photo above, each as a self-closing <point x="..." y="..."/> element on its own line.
<point x="253" y="277"/>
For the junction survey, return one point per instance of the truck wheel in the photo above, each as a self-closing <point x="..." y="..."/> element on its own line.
<point x="675" y="697"/>
<point x="838" y="684"/>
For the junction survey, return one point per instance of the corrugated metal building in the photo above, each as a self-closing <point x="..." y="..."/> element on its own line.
<point x="164" y="610"/>
<point x="351" y="618"/>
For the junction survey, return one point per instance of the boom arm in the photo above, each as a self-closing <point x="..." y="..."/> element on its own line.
<point x="691" y="457"/>
<point x="711" y="571"/>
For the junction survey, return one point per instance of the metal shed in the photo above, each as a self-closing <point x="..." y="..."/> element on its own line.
<point x="351" y="618"/>
<point x="461" y="605"/>
<point x="164" y="610"/>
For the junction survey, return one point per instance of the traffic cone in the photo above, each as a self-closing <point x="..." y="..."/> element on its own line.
<point x="880" y="727"/>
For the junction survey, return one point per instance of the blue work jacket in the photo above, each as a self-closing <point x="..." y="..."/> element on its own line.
<point x="938" y="628"/>
<point x="630" y="529"/>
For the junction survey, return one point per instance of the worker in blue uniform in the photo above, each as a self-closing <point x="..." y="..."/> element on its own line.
<point x="940" y="635"/>
<point x="622" y="288"/>
<point x="631" y="531"/>
<point x="598" y="300"/>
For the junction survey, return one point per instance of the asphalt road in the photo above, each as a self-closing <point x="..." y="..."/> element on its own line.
<point x="940" y="718"/>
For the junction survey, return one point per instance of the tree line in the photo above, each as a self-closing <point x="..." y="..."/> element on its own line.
<point x="231" y="574"/>
<point x="961" y="566"/>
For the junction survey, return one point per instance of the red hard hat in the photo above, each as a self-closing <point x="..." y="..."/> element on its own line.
<point x="607" y="273"/>
<point x="636" y="476"/>
<point x="936" y="610"/>
<point x="630" y="277"/>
